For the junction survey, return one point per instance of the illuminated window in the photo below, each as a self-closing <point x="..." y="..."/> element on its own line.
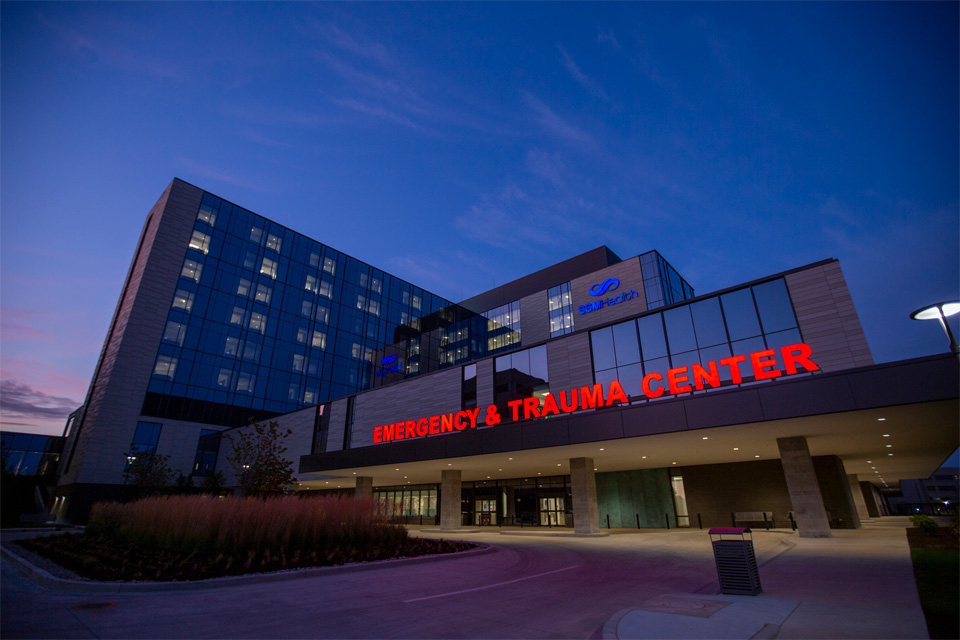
<point x="323" y="314"/>
<point x="174" y="333"/>
<point x="249" y="260"/>
<point x="269" y="267"/>
<point x="200" y="241"/>
<point x="297" y="367"/>
<point x="264" y="293"/>
<point x="326" y="289"/>
<point x="302" y="335"/>
<point x="311" y="284"/>
<point x="206" y="214"/>
<point x="223" y="378"/>
<point x="165" y="367"/>
<point x="329" y="265"/>
<point x="258" y="322"/>
<point x="256" y="234"/>
<point x="560" y="307"/>
<point x="237" y="316"/>
<point x="245" y="382"/>
<point x="244" y="288"/>
<point x="314" y="259"/>
<point x="191" y="269"/>
<point x="306" y="308"/>
<point x="232" y="347"/>
<point x="356" y="350"/>
<point x="273" y="242"/>
<point x="319" y="340"/>
<point x="309" y="397"/>
<point x="183" y="299"/>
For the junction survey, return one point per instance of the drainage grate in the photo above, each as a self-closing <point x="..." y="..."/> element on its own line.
<point x="95" y="605"/>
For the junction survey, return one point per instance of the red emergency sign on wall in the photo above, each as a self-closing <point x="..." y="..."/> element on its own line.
<point x="764" y="364"/>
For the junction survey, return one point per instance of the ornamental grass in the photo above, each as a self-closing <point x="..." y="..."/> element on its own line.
<point x="230" y="526"/>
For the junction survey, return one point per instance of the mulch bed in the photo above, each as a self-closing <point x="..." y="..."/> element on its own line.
<point x="946" y="538"/>
<point x="97" y="559"/>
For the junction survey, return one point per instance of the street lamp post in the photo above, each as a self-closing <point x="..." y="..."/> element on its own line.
<point x="941" y="311"/>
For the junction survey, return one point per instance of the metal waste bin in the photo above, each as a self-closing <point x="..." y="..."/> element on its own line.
<point x="736" y="561"/>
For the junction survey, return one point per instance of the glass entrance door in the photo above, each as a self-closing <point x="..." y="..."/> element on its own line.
<point x="551" y="512"/>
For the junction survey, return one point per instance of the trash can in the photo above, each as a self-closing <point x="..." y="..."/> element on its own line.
<point x="736" y="561"/>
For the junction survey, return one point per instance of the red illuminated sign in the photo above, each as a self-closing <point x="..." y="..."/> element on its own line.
<point x="764" y="364"/>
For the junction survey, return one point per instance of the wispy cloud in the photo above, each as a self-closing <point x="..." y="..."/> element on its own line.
<point x="557" y="126"/>
<point x="106" y="49"/>
<point x="606" y="36"/>
<point x="587" y="83"/>
<point x="334" y="36"/>
<point x="211" y="172"/>
<point x="377" y="112"/>
<point x="20" y="400"/>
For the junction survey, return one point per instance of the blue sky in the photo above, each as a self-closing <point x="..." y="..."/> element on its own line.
<point x="461" y="146"/>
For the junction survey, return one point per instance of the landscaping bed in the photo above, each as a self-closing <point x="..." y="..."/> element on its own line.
<point x="199" y="537"/>
<point x="936" y="567"/>
<point x="101" y="560"/>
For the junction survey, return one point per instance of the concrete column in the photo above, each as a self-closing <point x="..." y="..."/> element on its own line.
<point x="364" y="487"/>
<point x="870" y="499"/>
<point x="857" y="496"/>
<point x="805" y="496"/>
<point x="583" y="485"/>
<point x="450" y="500"/>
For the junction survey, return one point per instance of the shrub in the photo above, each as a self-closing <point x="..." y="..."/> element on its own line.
<point x="206" y="524"/>
<point x="925" y="523"/>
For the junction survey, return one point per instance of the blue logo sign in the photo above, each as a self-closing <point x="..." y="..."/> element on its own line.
<point x="389" y="359"/>
<point x="607" y="285"/>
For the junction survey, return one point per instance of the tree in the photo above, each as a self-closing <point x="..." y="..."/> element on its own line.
<point x="213" y="483"/>
<point x="257" y="458"/>
<point x="148" y="472"/>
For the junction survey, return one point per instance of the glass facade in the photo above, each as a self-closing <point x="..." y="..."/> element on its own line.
<point x="739" y="322"/>
<point x="145" y="440"/>
<point x="561" y="310"/>
<point x="409" y="503"/>
<point x="208" y="447"/>
<point x="518" y="375"/>
<point x="28" y="454"/>
<point x="266" y="321"/>
<point x="662" y="284"/>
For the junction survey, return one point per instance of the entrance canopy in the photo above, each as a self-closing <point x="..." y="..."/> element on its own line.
<point x="885" y="422"/>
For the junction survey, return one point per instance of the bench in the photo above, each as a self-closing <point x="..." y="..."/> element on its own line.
<point x="757" y="517"/>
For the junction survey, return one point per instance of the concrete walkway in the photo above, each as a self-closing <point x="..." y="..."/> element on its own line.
<point x="858" y="584"/>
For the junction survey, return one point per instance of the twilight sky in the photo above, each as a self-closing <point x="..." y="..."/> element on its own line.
<point x="460" y="146"/>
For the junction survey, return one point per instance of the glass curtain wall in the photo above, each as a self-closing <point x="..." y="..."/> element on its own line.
<point x="739" y="322"/>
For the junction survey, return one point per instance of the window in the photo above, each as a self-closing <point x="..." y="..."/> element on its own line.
<point x="468" y="389"/>
<point x="256" y="234"/>
<point x="245" y="382"/>
<point x="236" y="317"/>
<point x="311" y="284"/>
<point x="208" y="448"/>
<point x="244" y="288"/>
<point x="302" y="333"/>
<point x="314" y="259"/>
<point x="348" y="426"/>
<point x="249" y="260"/>
<point x="191" y="270"/>
<point x="330" y="265"/>
<point x="321" y="425"/>
<point x="183" y="299"/>
<point x="520" y="375"/>
<point x="223" y="378"/>
<point x="561" y="310"/>
<point x="264" y="293"/>
<point x="273" y="242"/>
<point x="297" y="367"/>
<point x="200" y="241"/>
<point x="326" y="289"/>
<point x="165" y="367"/>
<point x="231" y="347"/>
<point x="503" y="327"/>
<point x="258" y="321"/>
<point x="173" y="333"/>
<point x="269" y="267"/>
<point x="206" y="214"/>
<point x="319" y="340"/>
<point x="145" y="440"/>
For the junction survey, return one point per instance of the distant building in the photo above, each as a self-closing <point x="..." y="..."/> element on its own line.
<point x="596" y="392"/>
<point x="29" y="454"/>
<point x="937" y="495"/>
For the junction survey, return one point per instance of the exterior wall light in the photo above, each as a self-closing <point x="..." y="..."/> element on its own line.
<point x="941" y="311"/>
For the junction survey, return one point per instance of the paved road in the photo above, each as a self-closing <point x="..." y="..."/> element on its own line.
<point x="528" y="588"/>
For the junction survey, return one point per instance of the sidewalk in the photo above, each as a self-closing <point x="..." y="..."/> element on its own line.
<point x="857" y="584"/>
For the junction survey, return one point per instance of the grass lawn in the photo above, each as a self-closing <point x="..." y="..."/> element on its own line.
<point x="937" y="571"/>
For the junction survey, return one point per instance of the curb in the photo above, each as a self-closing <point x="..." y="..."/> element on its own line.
<point x="47" y="579"/>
